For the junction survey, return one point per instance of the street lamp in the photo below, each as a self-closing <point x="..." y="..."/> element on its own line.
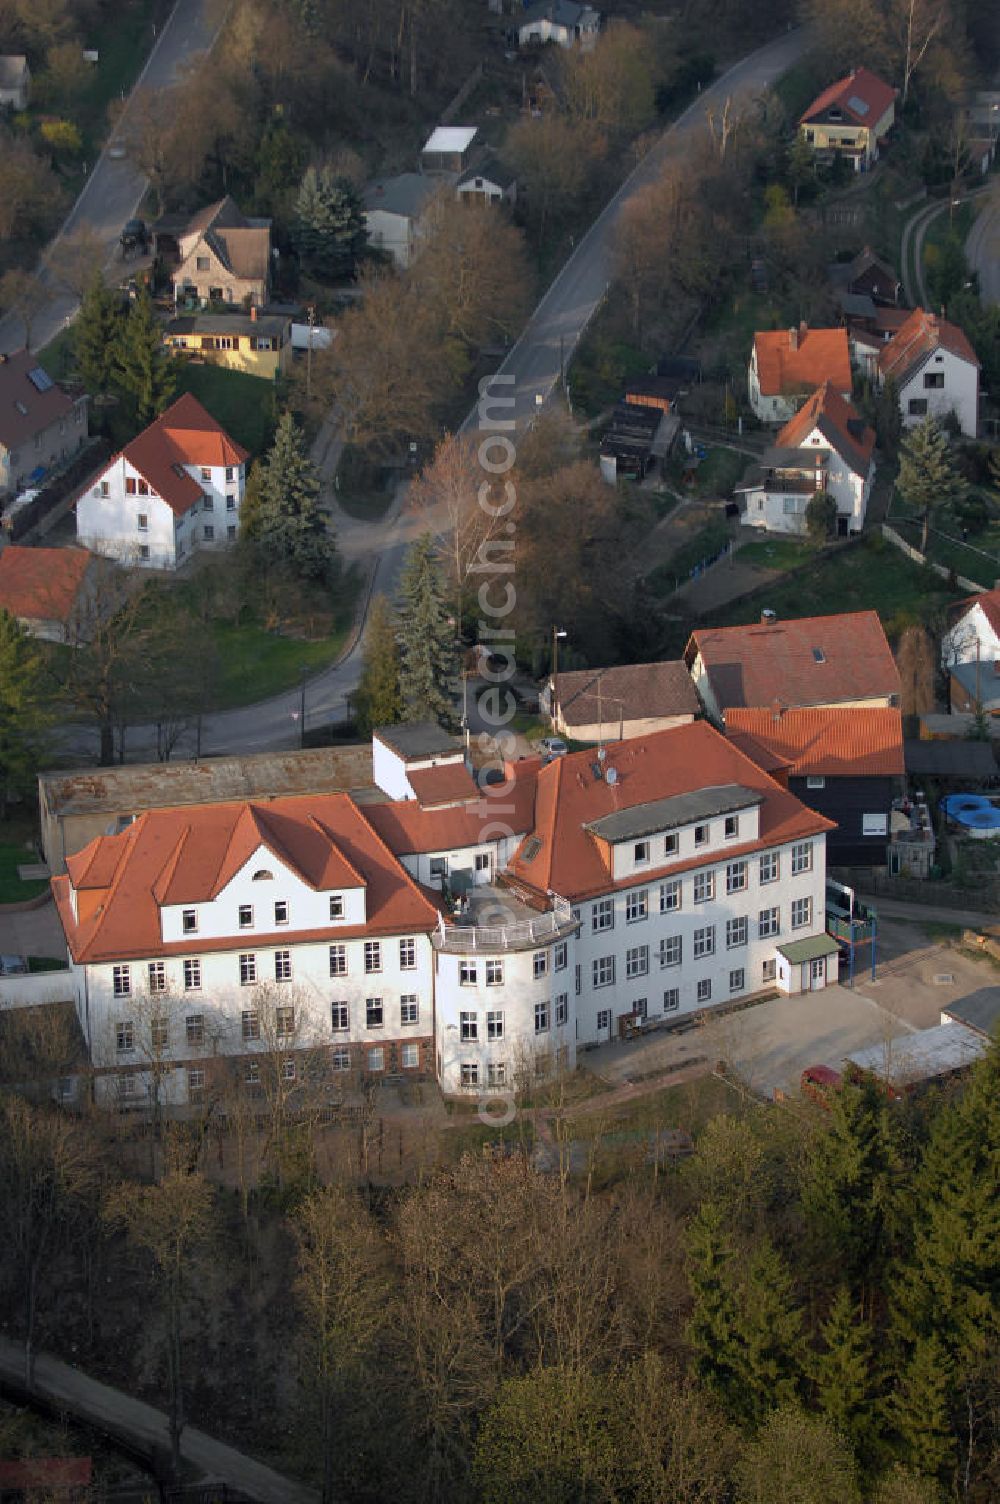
<point x="557" y="633"/>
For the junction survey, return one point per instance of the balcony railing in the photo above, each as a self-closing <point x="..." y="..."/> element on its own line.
<point x="517" y="934"/>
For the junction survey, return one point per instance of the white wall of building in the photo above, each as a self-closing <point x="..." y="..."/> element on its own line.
<point x="971" y="636"/>
<point x="958" y="393"/>
<point x="141" y="529"/>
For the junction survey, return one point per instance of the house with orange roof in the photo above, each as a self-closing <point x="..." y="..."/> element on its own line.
<point x="45" y="588"/>
<point x="845" y="762"/>
<point x="295" y="939"/>
<point x="174" y="490"/>
<point x="851" y="118"/>
<point x="970" y="654"/>
<point x="826" y="447"/>
<point x="788" y="365"/>
<point x="802" y="660"/>
<point x="40" y="425"/>
<point x="935" y="370"/>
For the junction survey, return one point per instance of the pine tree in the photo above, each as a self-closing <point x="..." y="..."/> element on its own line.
<point x="928" y="481"/>
<point x="329" y="231"/>
<point x="378" y="699"/>
<point x="710" y="1327"/>
<point x="95" y="335"/>
<point x="288" y="524"/>
<point x="23" y="716"/>
<point x="142" y="371"/>
<point x="768" y="1336"/>
<point x="428" y="638"/>
<point x="843" y="1371"/>
<point x="920" y="1409"/>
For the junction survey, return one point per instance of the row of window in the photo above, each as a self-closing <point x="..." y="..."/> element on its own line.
<point x="642" y="851"/>
<point x="127" y="1086"/>
<point x="284" y="1023"/>
<point x="156" y="973"/>
<point x="468" y="970"/>
<point x="281" y="912"/>
<point x="703" y="887"/>
<point x="702" y="994"/>
<point x="671" y="950"/>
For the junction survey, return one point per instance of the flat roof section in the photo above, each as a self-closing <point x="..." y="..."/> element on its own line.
<point x="680" y="809"/>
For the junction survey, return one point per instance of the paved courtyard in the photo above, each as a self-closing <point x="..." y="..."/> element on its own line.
<point x="32" y="932"/>
<point x="771" y="1043"/>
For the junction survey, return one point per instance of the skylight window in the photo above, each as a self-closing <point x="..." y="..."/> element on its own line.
<point x="818" y="655"/>
<point x="859" y="106"/>
<point x="531" y="849"/>
<point x="40" y="380"/>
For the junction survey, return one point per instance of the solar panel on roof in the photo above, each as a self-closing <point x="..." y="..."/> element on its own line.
<point x="531" y="849"/>
<point x="859" y="106"/>
<point x="40" y="380"/>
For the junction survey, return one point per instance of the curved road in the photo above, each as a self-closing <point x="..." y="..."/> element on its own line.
<point x="982" y="248"/>
<point x="115" y="188"/>
<point x="533" y="363"/>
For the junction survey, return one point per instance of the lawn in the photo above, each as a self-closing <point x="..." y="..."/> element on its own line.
<point x="868" y="575"/>
<point x="776" y="553"/>
<point x="12" y="889"/>
<point x="980" y="562"/>
<point x="797" y="88"/>
<point x="255" y="663"/>
<point x="717" y="474"/>
<point x="244" y="405"/>
<point x="688" y="1106"/>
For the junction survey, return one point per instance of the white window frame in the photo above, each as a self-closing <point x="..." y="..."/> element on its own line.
<point x="802" y="857"/>
<point x="374" y="1013"/>
<point x="468" y="1026"/>
<point x="803" y="908"/>
<point x="703" y="942"/>
<point x="737" y="932"/>
<point x="409" y="1010"/>
<point x="338" y="960"/>
<point x="669" y="891"/>
<point x="603" y="910"/>
<point x="340" y="1017"/>
<point x="703" y="887"/>
<point x="636" y="905"/>
<point x="769" y="867"/>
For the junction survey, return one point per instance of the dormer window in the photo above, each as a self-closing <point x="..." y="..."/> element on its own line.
<point x="641" y="853"/>
<point x="732" y="827"/>
<point x="701" y="833"/>
<point x="336" y="906"/>
<point x="189" y="921"/>
<point x="262" y="875"/>
<point x="671" y="844"/>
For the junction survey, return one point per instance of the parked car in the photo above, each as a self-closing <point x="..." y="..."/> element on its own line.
<point x="553" y="746"/>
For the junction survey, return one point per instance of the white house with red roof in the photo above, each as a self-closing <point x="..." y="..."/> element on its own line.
<point x="175" y="489"/>
<point x="293" y="941"/>
<point x="935" y="369"/>
<point x="788" y="365"/>
<point x="851" y="118"/>
<point x="826" y="447"/>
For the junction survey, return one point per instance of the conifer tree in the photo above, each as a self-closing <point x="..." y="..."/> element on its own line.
<point x="95" y="334"/>
<point x="23" y="716"/>
<point x="287" y="522"/>
<point x="768" y="1336"/>
<point x="920" y="1409"/>
<point x="928" y="480"/>
<point x="329" y="232"/>
<point x="710" y="1331"/>
<point x="142" y="370"/>
<point x="427" y="637"/>
<point x="378" y="699"/>
<point x="843" y="1371"/>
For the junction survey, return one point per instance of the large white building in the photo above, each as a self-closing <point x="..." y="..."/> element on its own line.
<point x="465" y="933"/>
<point x="175" y="489"/>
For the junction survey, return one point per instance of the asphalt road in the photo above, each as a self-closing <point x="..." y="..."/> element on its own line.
<point x="115" y="188"/>
<point x="982" y="248"/>
<point x="534" y="363"/>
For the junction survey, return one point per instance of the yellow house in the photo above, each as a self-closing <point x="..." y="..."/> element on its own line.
<point x="850" y="118"/>
<point x="259" y="344"/>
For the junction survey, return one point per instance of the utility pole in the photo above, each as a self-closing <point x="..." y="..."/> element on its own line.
<point x="311" y="311"/>
<point x="554" y="701"/>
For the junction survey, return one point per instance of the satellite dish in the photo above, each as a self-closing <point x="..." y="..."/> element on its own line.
<point x="602" y="753"/>
<point x="611" y="776"/>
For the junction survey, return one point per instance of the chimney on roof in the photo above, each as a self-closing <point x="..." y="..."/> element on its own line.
<point x="803" y="331"/>
<point x="793" y="339"/>
<point x="768" y="617"/>
<point x="253" y="313"/>
<point x="777" y="710"/>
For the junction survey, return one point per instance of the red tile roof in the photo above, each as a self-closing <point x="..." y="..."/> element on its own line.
<point x="798" y="360"/>
<point x="859" y="87"/>
<point x="407" y="829"/>
<point x="176" y="856"/>
<point x="849" y="742"/>
<point x="919" y="336"/>
<point x="24" y="409"/>
<point x="776" y="662"/>
<point x="186" y="434"/>
<point x="633" y="691"/>
<point x="838" y="422"/>
<point x="447" y="783"/>
<point x="562" y="856"/>
<point x="41" y="584"/>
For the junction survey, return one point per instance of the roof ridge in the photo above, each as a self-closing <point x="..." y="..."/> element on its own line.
<point x="164" y="877"/>
<point x="324" y="830"/>
<point x="399" y="866"/>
